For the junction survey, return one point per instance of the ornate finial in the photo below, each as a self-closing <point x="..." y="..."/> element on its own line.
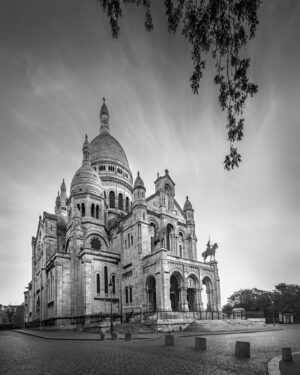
<point x="166" y="172"/>
<point x="103" y="100"/>
<point x="157" y="174"/>
<point x="138" y="174"/>
<point x="86" y="137"/>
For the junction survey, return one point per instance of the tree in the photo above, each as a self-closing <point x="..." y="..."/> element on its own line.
<point x="251" y="299"/>
<point x="286" y="298"/>
<point x="221" y="28"/>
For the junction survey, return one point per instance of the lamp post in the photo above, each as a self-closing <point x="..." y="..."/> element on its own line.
<point x="273" y="312"/>
<point x="111" y="314"/>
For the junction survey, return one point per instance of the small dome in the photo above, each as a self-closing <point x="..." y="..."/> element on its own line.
<point x="187" y="205"/>
<point x="106" y="147"/>
<point x="86" y="180"/>
<point x="138" y="183"/>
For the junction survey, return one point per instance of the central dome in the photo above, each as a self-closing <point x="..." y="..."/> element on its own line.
<point x="106" y="147"/>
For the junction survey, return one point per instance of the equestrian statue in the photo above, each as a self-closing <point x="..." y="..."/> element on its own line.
<point x="210" y="251"/>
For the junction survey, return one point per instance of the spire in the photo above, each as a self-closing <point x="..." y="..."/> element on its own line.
<point x="187" y="205"/>
<point x="86" y="152"/>
<point x="139" y="183"/>
<point x="63" y="188"/>
<point x="104" y="118"/>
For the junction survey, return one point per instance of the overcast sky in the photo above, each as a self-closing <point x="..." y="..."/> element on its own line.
<point x="57" y="61"/>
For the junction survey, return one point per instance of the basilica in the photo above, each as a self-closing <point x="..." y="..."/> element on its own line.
<point x="112" y="249"/>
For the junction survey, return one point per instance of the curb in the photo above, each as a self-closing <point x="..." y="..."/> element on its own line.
<point x="80" y="339"/>
<point x="273" y="365"/>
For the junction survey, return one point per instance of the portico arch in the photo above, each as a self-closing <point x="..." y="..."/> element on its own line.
<point x="176" y="283"/>
<point x="151" y="293"/>
<point x="207" y="293"/>
<point x="192" y="285"/>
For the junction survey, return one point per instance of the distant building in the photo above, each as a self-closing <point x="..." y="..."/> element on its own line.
<point x="109" y="243"/>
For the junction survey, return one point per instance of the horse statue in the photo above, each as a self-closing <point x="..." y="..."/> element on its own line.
<point x="210" y="251"/>
<point x="160" y="235"/>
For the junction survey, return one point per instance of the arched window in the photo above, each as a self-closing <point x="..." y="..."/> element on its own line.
<point x="97" y="212"/>
<point x="113" y="281"/>
<point x="169" y="236"/>
<point x="126" y="294"/>
<point x="93" y="210"/>
<point x="98" y="283"/>
<point x="152" y="231"/>
<point x="82" y="209"/>
<point x="127" y="204"/>
<point x="120" y="201"/>
<point x="105" y="280"/>
<point x="180" y="244"/>
<point x="112" y="199"/>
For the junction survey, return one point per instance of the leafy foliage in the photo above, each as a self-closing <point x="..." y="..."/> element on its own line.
<point x="285" y="297"/>
<point x="221" y="28"/>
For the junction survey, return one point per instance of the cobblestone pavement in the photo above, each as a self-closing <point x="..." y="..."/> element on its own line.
<point x="23" y="354"/>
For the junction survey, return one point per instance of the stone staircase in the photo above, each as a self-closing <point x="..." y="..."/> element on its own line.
<point x="225" y="325"/>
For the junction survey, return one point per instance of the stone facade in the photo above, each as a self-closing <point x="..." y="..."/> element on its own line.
<point x="110" y="248"/>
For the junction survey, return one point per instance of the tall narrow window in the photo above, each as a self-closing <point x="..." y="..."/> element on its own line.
<point x="125" y="244"/>
<point x="112" y="199"/>
<point x="127" y="204"/>
<point x="180" y="251"/>
<point x="82" y="209"/>
<point x="97" y="212"/>
<point x="93" y="210"/>
<point x="130" y="294"/>
<point x="120" y="201"/>
<point x="126" y="294"/>
<point x="98" y="283"/>
<point x="105" y="280"/>
<point x="113" y="281"/>
<point x="128" y="239"/>
<point x="131" y="240"/>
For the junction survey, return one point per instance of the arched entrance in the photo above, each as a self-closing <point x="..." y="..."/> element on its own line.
<point x="175" y="291"/>
<point x="151" y="293"/>
<point x="191" y="294"/>
<point x="207" y="294"/>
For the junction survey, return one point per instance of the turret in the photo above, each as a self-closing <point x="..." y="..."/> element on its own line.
<point x="139" y="205"/>
<point x="191" y="236"/>
<point x="189" y="212"/>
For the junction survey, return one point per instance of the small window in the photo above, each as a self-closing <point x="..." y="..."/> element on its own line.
<point x="130" y="294"/>
<point x="93" y="210"/>
<point x="112" y="199"/>
<point x="113" y="281"/>
<point x="127" y="204"/>
<point x="126" y="294"/>
<point x="82" y="209"/>
<point x="128" y="236"/>
<point x="119" y="170"/>
<point x="102" y="167"/>
<point x="143" y="216"/>
<point x="131" y="240"/>
<point x="105" y="280"/>
<point x="98" y="283"/>
<point x="97" y="212"/>
<point x="111" y="168"/>
<point x="180" y="251"/>
<point x="120" y="201"/>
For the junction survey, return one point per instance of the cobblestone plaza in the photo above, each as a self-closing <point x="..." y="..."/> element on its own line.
<point x="23" y="354"/>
